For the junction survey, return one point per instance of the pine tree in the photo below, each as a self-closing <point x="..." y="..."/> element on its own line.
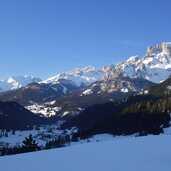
<point x="29" y="144"/>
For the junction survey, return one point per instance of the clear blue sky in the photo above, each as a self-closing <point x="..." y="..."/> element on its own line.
<point x="45" y="37"/>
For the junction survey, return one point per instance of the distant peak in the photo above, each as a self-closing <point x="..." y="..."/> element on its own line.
<point x="164" y="47"/>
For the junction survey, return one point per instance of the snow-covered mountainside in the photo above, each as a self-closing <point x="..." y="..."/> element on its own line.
<point x="16" y="82"/>
<point x="55" y="87"/>
<point x="149" y="153"/>
<point x="78" y="77"/>
<point x="155" y="66"/>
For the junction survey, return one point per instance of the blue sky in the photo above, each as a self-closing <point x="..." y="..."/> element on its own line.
<point x="45" y="37"/>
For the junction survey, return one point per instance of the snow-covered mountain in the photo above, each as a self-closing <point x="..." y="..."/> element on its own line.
<point x="16" y="82"/>
<point x="78" y="77"/>
<point x="155" y="66"/>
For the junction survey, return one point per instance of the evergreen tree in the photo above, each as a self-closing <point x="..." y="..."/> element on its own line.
<point x="29" y="144"/>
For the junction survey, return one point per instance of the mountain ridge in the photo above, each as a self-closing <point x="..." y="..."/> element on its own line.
<point x="154" y="66"/>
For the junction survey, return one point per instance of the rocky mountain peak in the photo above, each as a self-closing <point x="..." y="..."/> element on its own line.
<point x="164" y="47"/>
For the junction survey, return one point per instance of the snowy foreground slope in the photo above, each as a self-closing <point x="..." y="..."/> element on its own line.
<point x="151" y="153"/>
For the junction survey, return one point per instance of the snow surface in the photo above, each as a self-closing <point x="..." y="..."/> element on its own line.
<point x="16" y="140"/>
<point x="150" y="153"/>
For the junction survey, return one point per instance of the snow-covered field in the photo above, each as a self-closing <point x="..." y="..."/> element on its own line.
<point x="41" y="135"/>
<point x="49" y="132"/>
<point x="150" y="153"/>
